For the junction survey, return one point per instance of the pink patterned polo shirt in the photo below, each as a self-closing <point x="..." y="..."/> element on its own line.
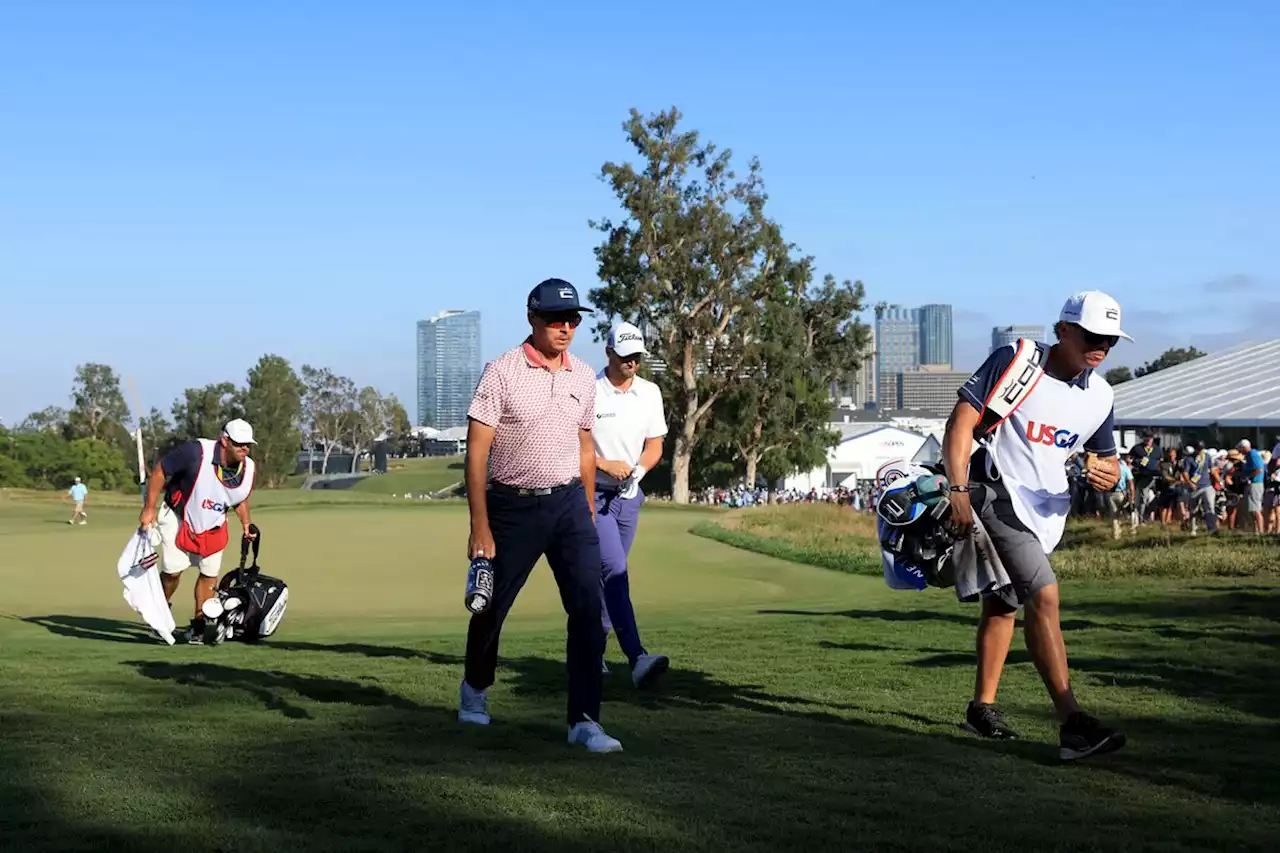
<point x="536" y="414"/>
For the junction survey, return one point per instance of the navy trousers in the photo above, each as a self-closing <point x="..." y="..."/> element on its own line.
<point x="616" y="521"/>
<point x="524" y="529"/>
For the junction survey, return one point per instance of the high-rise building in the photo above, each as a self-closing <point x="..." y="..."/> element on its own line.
<point x="930" y="391"/>
<point x="1005" y="335"/>
<point x="908" y="339"/>
<point x="935" y="334"/>
<point x="897" y="349"/>
<point x="449" y="367"/>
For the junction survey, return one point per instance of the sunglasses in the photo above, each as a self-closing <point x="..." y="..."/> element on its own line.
<point x="1095" y="340"/>
<point x="562" y="320"/>
<point x="635" y="357"/>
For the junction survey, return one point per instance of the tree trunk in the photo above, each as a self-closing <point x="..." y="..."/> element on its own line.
<point x="753" y="454"/>
<point x="680" y="458"/>
<point x="683" y="452"/>
<point x="324" y="464"/>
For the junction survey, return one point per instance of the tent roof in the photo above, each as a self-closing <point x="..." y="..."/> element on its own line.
<point x="1235" y="387"/>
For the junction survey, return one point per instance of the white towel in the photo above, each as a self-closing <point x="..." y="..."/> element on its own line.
<point x="139" y="569"/>
<point x="978" y="568"/>
<point x="631" y="486"/>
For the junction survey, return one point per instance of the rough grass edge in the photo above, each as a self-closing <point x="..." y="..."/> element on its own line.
<point x="852" y="563"/>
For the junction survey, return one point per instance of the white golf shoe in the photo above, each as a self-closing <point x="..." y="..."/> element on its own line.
<point x="588" y="733"/>
<point x="473" y="706"/>
<point x="647" y="668"/>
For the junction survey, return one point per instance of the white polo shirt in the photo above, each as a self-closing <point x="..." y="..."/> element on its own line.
<point x="624" y="419"/>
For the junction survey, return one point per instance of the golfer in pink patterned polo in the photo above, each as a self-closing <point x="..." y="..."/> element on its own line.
<point x="531" y="466"/>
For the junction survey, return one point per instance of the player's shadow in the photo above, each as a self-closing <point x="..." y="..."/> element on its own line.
<point x="272" y="687"/>
<point x="95" y="628"/>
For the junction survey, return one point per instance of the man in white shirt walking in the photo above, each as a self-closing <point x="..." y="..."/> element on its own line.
<point x="630" y="425"/>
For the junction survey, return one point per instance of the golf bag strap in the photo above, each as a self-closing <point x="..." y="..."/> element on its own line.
<point x="1015" y="386"/>
<point x="256" y="543"/>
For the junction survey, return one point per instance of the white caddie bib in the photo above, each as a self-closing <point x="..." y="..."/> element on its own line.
<point x="204" y="517"/>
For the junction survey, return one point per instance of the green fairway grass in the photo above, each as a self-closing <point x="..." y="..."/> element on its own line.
<point x="805" y="707"/>
<point x="836" y="537"/>
<point x="414" y="476"/>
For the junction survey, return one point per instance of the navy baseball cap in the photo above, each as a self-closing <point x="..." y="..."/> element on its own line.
<point x="554" y="296"/>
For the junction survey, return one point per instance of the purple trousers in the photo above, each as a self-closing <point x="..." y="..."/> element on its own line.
<point x="616" y="520"/>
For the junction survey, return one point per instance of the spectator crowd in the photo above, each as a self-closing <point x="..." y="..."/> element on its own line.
<point x="1191" y="487"/>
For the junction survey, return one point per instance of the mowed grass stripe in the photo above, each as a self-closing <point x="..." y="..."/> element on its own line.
<point x="805" y="707"/>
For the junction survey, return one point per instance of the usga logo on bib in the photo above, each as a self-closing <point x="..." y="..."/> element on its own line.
<point x="1051" y="435"/>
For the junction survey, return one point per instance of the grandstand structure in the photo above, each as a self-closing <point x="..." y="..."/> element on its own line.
<point x="1221" y="398"/>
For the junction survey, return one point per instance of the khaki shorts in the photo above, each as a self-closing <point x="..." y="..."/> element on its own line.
<point x="79" y="507"/>
<point x="174" y="560"/>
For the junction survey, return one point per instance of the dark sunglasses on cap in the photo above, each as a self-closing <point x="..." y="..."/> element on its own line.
<point x="559" y="319"/>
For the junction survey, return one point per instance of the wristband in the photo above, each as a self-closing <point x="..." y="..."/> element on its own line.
<point x="959" y="488"/>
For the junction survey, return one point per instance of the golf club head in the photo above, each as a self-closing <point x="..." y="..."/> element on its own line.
<point x="212" y="608"/>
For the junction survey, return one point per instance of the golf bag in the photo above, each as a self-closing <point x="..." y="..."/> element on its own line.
<point x="912" y="510"/>
<point x="252" y="604"/>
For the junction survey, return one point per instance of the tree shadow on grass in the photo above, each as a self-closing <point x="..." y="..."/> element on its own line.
<point x="270" y="687"/>
<point x="366" y="649"/>
<point x="750" y="782"/>
<point x="883" y="615"/>
<point x="1254" y="603"/>
<point x="679" y="688"/>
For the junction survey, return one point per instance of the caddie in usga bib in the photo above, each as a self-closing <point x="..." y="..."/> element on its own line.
<point x="1027" y="409"/>
<point x="189" y="493"/>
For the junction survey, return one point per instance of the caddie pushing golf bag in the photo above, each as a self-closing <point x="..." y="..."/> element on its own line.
<point x="249" y="605"/>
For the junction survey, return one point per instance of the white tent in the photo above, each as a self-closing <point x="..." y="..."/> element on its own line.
<point x="861" y="453"/>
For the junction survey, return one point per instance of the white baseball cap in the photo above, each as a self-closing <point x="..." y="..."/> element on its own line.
<point x="1094" y="311"/>
<point x="625" y="339"/>
<point x="239" y="431"/>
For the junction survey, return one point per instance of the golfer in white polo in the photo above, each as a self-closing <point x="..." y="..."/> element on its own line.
<point x="630" y="425"/>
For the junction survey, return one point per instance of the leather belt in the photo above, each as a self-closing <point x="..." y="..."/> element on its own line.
<point x="522" y="492"/>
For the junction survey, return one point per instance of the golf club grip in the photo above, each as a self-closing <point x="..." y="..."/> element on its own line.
<point x="256" y="542"/>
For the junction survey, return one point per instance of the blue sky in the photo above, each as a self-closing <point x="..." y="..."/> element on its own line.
<point x="171" y="174"/>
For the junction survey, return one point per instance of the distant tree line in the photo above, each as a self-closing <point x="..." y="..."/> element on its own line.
<point x="94" y="438"/>
<point x="1168" y="358"/>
